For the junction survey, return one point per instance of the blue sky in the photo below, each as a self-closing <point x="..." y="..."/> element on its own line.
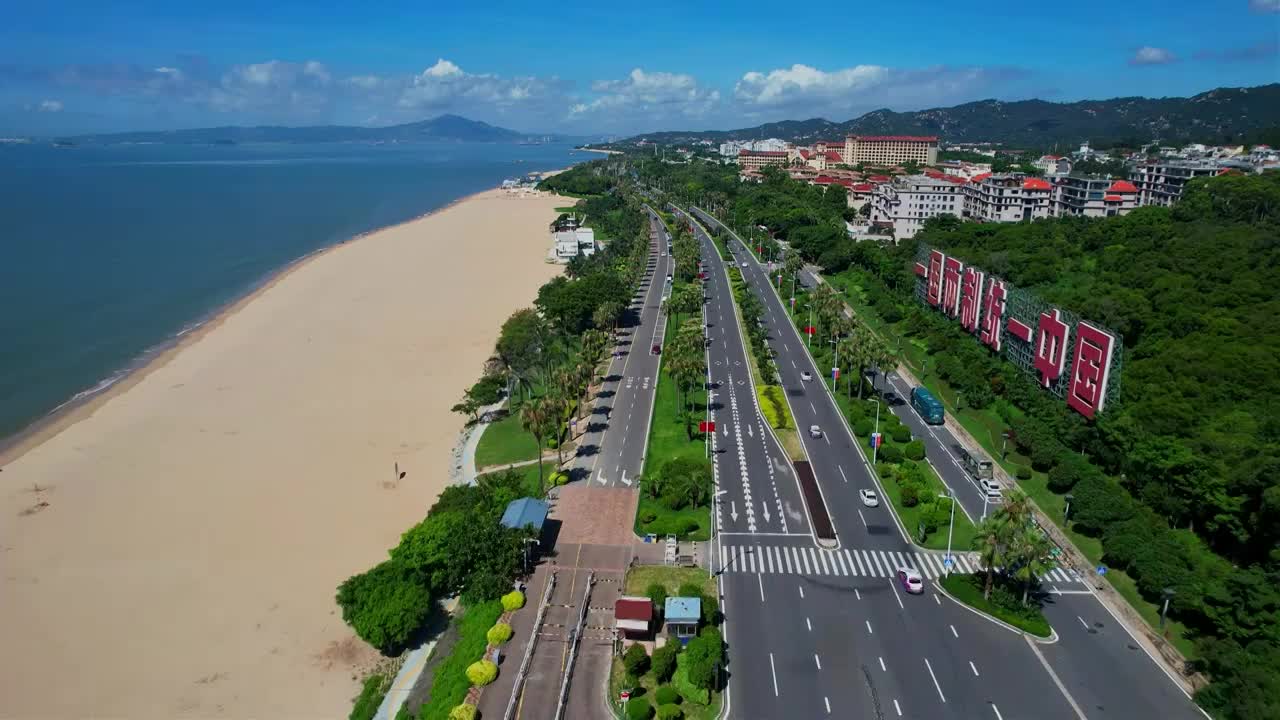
<point x="592" y="67"/>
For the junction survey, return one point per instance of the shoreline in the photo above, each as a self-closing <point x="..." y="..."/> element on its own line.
<point x="86" y="402"/>
<point x="231" y="480"/>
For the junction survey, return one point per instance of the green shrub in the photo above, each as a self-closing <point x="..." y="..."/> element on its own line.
<point x="914" y="450"/>
<point x="499" y="634"/>
<point x="663" y="662"/>
<point x="901" y="434"/>
<point x="559" y="477"/>
<point x="884" y="470"/>
<point x="910" y="493"/>
<point x="553" y="442"/>
<point x="889" y="454"/>
<point x="1099" y="502"/>
<point x="665" y="694"/>
<point x="463" y="712"/>
<point x="862" y="427"/>
<point x="385" y="605"/>
<point x="482" y="672"/>
<point x="688" y="526"/>
<point x="856" y="412"/>
<point x="703" y="656"/>
<point x="683" y="685"/>
<point x="638" y="708"/>
<point x="1071" y="469"/>
<point x="513" y="600"/>
<point x="1045" y="455"/>
<point x="648" y="516"/>
<point x="449" y="682"/>
<point x="1004" y="603"/>
<point x="657" y="592"/>
<point x="1024" y="472"/>
<point x="670" y="712"/>
<point x="636" y="660"/>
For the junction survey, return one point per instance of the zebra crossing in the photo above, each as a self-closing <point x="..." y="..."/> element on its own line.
<point x="766" y="559"/>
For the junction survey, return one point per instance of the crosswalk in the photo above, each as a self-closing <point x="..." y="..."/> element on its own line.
<point x="765" y="559"/>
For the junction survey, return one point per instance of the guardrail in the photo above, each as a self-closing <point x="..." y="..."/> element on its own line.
<point x="574" y="639"/>
<point x="528" y="651"/>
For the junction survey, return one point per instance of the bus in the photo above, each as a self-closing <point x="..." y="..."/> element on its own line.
<point x="929" y="407"/>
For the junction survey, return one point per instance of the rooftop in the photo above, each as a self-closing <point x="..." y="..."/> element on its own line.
<point x="896" y="138"/>
<point x="683" y="609"/>
<point x="525" y="512"/>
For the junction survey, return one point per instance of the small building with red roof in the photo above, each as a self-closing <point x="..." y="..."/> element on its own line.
<point x="1007" y="197"/>
<point x="633" y="617"/>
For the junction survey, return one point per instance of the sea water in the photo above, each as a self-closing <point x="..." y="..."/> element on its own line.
<point x="110" y="253"/>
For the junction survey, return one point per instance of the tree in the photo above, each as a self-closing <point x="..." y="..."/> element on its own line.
<point x="535" y="415"/>
<point x="385" y="605"/>
<point x="989" y="541"/>
<point x="607" y="315"/>
<point x="703" y="657"/>
<point x="636" y="660"/>
<point x="520" y="343"/>
<point x="663" y="662"/>
<point x="1031" y="554"/>
<point x="657" y="593"/>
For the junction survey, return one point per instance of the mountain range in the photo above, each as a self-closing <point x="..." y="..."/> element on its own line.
<point x="445" y="128"/>
<point x="1219" y="115"/>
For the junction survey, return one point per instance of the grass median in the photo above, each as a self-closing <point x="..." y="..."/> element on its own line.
<point x="1003" y="604"/>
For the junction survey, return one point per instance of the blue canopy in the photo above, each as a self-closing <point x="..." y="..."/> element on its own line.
<point x="525" y="512"/>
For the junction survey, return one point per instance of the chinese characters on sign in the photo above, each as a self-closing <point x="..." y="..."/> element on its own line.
<point x="1041" y="336"/>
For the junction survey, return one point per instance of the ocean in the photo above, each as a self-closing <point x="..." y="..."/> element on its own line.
<point x="109" y="254"/>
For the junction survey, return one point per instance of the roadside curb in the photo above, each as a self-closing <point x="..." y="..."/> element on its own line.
<point x="1053" y="633"/>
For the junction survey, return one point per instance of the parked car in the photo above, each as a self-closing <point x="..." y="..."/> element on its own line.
<point x="911" y="580"/>
<point x="806" y="376"/>
<point x="656" y="350"/>
<point x="869" y="498"/>
<point x="893" y="400"/>
<point x="815" y="431"/>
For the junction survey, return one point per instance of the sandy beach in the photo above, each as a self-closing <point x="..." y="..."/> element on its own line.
<point x="172" y="548"/>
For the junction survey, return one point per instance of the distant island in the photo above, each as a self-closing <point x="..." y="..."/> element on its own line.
<point x="444" y="128"/>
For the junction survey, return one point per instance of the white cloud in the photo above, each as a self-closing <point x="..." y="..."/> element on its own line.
<point x="50" y="106"/>
<point x="273" y="87"/>
<point x="445" y="86"/>
<point x="652" y="93"/>
<point x="801" y="83"/>
<point x="1147" y="55"/>
<point x="1265" y="6"/>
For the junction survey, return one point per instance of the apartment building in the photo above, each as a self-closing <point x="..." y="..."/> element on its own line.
<point x="890" y="150"/>
<point x="1093" y="196"/>
<point x="1161" y="183"/>
<point x="1007" y="197"/>
<point x="756" y="159"/>
<point x="906" y="203"/>
<point x="1054" y="165"/>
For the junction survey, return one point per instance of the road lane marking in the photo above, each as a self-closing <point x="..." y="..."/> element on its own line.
<point x="774" y="672"/>
<point x="936" y="600"/>
<point x="846" y="478"/>
<point x="801" y="590"/>
<point x="863" y="519"/>
<point x="882" y="667"/>
<point x="808" y="624"/>
<point x="935" y="680"/>
<point x="761" y="579"/>
<point x="954" y="633"/>
<point x="1056" y="680"/>
<point x="974" y="669"/>
<point x="817" y="661"/>
<point x="869" y="630"/>
<point x="811" y="407"/>
<point x="827" y="702"/>
<point x="996" y="710"/>
<point x="857" y="594"/>
<point x="1082" y="622"/>
<point x="896" y="707"/>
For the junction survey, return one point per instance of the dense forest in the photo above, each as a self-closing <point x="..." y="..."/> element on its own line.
<point x="1180" y="477"/>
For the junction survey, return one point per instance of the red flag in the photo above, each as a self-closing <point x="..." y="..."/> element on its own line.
<point x="810" y="330"/>
<point x="707" y="426"/>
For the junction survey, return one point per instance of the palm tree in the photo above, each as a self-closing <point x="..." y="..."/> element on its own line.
<point x="1032" y="554"/>
<point x="990" y="544"/>
<point x="534" y="416"/>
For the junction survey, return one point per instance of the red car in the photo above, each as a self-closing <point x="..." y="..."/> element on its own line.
<point x="911" y="580"/>
<point x="656" y="350"/>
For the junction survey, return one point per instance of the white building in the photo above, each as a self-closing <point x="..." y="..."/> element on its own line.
<point x="1161" y="183"/>
<point x="1093" y="196"/>
<point x="1053" y="165"/>
<point x="571" y="243"/>
<point x="906" y="203"/>
<point x="1007" y="197"/>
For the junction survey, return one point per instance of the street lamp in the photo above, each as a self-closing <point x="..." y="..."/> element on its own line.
<point x="1066" y="512"/>
<point x="1004" y="446"/>
<point x="1168" y="594"/>
<point x="711" y="546"/>
<point x="950" y="531"/>
<point x="875" y="446"/>
<point x="808" y="336"/>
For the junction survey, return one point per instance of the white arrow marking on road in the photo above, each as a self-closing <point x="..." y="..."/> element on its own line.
<point x="625" y="481"/>
<point x="733" y="510"/>
<point x="765" y="506"/>
<point x="749" y="433"/>
<point x="600" y="477"/>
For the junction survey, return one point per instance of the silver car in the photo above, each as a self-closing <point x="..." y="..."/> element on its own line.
<point x="815" y="431"/>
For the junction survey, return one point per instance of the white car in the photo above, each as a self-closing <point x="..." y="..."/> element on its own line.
<point x="911" y="580"/>
<point x="815" y="431"/>
<point x="744" y="264"/>
<point x="806" y="376"/>
<point x="869" y="498"/>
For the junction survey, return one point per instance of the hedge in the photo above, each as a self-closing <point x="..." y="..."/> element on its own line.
<point x="901" y="434"/>
<point x="1024" y="472"/>
<point x="499" y="634"/>
<point x="638" y="708"/>
<point x="463" y="712"/>
<point x="689" y="691"/>
<point x="774" y="407"/>
<point x="482" y="672"/>
<point x="914" y="450"/>
<point x="862" y="427"/>
<point x="670" y="712"/>
<point x="889" y="454"/>
<point x="513" y="600"/>
<point x="665" y="694"/>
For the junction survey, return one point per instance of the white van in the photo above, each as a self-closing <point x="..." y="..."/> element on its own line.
<point x="991" y="489"/>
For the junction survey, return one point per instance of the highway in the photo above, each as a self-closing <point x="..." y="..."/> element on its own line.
<point x="625" y="400"/>
<point x="825" y="632"/>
